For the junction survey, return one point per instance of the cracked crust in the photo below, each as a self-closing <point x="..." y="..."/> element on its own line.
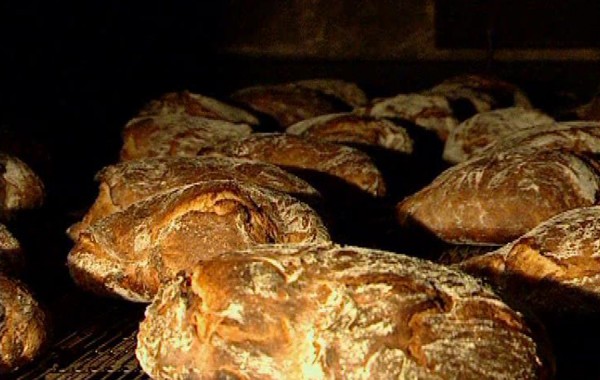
<point x="331" y="312"/>
<point x="495" y="199"/>
<point x="20" y="187"/>
<point x="129" y="182"/>
<point x="129" y="253"/>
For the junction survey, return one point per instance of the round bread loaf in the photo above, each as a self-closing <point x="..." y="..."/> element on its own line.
<point x="473" y="135"/>
<point x="132" y="181"/>
<point x="191" y="104"/>
<point x="552" y="268"/>
<point x="305" y="157"/>
<point x="495" y="199"/>
<point x="11" y="257"/>
<point x="481" y="93"/>
<point x="431" y="112"/>
<point x="130" y="252"/>
<point x="348" y="128"/>
<point x="23" y="325"/>
<point x="175" y="135"/>
<point x="20" y="187"/>
<point x="331" y="312"/>
<point x="288" y="104"/>
<point x="347" y="92"/>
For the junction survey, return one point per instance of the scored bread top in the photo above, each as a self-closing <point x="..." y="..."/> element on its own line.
<point x="349" y="128"/>
<point x="175" y="135"/>
<point x="331" y="312"/>
<point x="293" y="152"/>
<point x="347" y="92"/>
<point x="192" y="104"/>
<point x="129" y="253"/>
<point x="20" y="187"/>
<point x="132" y="181"/>
<point x="473" y="135"/>
<point x="495" y="199"/>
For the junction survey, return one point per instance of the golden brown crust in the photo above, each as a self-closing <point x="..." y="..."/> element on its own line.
<point x="175" y="135"/>
<point x="349" y="128"/>
<point x="11" y="257"/>
<point x="431" y="112"/>
<point x="347" y="92"/>
<point x="133" y="181"/>
<point x="294" y="152"/>
<point x="473" y="135"/>
<point x="331" y="312"/>
<point x="130" y="252"/>
<point x="495" y="199"/>
<point x="554" y="267"/>
<point x="23" y="325"/>
<point x="20" y="187"/>
<point x="287" y="104"/>
<point x="191" y="104"/>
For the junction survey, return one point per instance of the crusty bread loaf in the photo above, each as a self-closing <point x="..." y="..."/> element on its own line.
<point x="347" y="92"/>
<point x="175" y="135"/>
<point x="431" y="112"/>
<point x="293" y="152"/>
<point x="132" y="181"/>
<point x="495" y="199"/>
<point x="288" y="104"/>
<point x="191" y="104"/>
<point x="331" y="312"/>
<point x="20" y="187"/>
<point x="573" y="136"/>
<point x="476" y="133"/>
<point x="483" y="93"/>
<point x="11" y="257"/>
<point x="23" y="325"/>
<point x="353" y="129"/>
<point x="554" y="267"/>
<point x="130" y="252"/>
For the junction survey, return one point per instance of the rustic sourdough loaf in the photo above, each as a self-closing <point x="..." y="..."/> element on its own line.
<point x="353" y="129"/>
<point x="130" y="252"/>
<point x="331" y="312"/>
<point x="175" y="135"/>
<point x="347" y="92"/>
<point x="495" y="199"/>
<point x="132" y="181"/>
<point x="473" y="135"/>
<point x="20" y="187"/>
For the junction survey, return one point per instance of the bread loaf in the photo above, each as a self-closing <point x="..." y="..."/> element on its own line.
<point x="11" y="257"/>
<point x="288" y="104"/>
<point x="476" y="133"/>
<point x="347" y="92"/>
<point x="23" y="325"/>
<point x="352" y="129"/>
<point x="431" y="112"/>
<point x="133" y="181"/>
<point x="191" y="104"/>
<point x="305" y="157"/>
<point x="481" y="93"/>
<point x="554" y="267"/>
<point x="20" y="187"/>
<point x="495" y="199"/>
<point x="175" y="135"/>
<point x="331" y="312"/>
<point x="130" y="252"/>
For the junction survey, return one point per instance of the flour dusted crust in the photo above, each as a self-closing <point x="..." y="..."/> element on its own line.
<point x="23" y="325"/>
<point x="347" y="92"/>
<point x="476" y="133"/>
<point x="175" y="135"/>
<point x="495" y="199"/>
<point x="132" y="181"/>
<point x="287" y="104"/>
<point x="20" y="187"/>
<point x="191" y="104"/>
<point x="431" y="112"/>
<point x="289" y="151"/>
<point x="130" y="252"/>
<point x="331" y="312"/>
<point x="574" y="136"/>
<point x="349" y="128"/>
<point x="484" y="93"/>
<point x="557" y="262"/>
